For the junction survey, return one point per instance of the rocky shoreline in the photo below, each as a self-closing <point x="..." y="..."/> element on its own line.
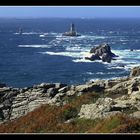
<point x="120" y="95"/>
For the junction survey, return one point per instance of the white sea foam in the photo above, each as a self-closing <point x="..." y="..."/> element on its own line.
<point x="111" y="32"/>
<point x="90" y="73"/>
<point x="111" y="78"/>
<point x="42" y="35"/>
<point x="53" y="33"/>
<point x="127" y="53"/>
<point x="82" y="36"/>
<point x="73" y="51"/>
<point x="65" y="37"/>
<point x="29" y="33"/>
<point x="95" y="79"/>
<point x="73" y="48"/>
<point x="58" y="36"/>
<point x="91" y="37"/>
<point x="115" y="67"/>
<point x="130" y="66"/>
<point x="82" y="60"/>
<point x="77" y="49"/>
<point x="70" y="54"/>
<point x="126" y="60"/>
<point x="123" y="40"/>
<point x="16" y="33"/>
<point x="96" y="37"/>
<point x="100" y="73"/>
<point x="35" y="46"/>
<point x="79" y="54"/>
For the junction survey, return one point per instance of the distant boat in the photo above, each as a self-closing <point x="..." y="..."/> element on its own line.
<point x="20" y="31"/>
<point x="72" y="31"/>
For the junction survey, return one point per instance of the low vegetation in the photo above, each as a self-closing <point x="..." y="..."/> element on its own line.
<point x="64" y="119"/>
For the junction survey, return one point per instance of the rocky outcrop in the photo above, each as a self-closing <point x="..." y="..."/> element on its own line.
<point x="101" y="109"/>
<point x="106" y="107"/>
<point x="101" y="52"/>
<point x="89" y="88"/>
<point x="135" y="72"/>
<point x="123" y="96"/>
<point x="106" y="57"/>
<point x="93" y="57"/>
<point x="136" y="114"/>
<point x="120" y="95"/>
<point x="15" y="103"/>
<point x="18" y="102"/>
<point x="7" y="95"/>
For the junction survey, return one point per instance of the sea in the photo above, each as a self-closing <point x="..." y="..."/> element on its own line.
<point x="42" y="54"/>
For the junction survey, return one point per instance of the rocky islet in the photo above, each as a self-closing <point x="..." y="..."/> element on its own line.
<point x="101" y="52"/>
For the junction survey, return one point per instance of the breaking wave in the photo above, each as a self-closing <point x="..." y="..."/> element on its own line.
<point x="35" y="46"/>
<point x="70" y="54"/>
<point x="28" y="33"/>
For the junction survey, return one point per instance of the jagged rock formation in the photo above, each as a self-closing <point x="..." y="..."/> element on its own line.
<point x="101" y="52"/>
<point x="18" y="102"/>
<point x="101" y="109"/>
<point x="122" y="95"/>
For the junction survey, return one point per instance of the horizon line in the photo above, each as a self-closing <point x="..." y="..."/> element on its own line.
<point x="70" y="17"/>
<point x="69" y="6"/>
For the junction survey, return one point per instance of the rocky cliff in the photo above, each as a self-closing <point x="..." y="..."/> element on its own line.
<point x="119" y="96"/>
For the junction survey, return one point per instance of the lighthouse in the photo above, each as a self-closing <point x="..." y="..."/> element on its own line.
<point x="72" y="31"/>
<point x="20" y="31"/>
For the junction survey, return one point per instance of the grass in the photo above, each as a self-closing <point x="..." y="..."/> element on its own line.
<point x="106" y="125"/>
<point x="49" y="118"/>
<point x="52" y="119"/>
<point x="117" y="124"/>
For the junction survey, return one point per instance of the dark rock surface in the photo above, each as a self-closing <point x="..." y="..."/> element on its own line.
<point x="2" y="85"/>
<point x="101" y="52"/>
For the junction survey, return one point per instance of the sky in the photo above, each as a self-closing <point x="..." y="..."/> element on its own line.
<point x="69" y="11"/>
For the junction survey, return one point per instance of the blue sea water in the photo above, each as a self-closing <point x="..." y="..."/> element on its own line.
<point x="42" y="54"/>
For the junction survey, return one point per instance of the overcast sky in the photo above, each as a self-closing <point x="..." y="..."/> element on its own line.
<point x="69" y="11"/>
